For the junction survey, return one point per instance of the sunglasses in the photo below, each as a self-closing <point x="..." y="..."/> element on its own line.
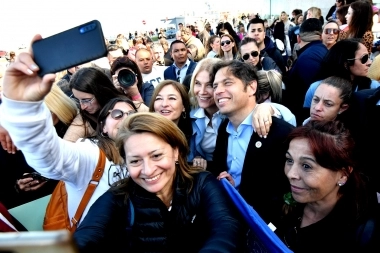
<point x="253" y="53"/>
<point x="329" y="30"/>
<point x="364" y="59"/>
<point x="118" y="114"/>
<point x="227" y="42"/>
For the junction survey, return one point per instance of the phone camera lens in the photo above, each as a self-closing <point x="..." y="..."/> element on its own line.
<point x="126" y="78"/>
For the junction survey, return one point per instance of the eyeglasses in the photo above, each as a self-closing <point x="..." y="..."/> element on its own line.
<point x="116" y="173"/>
<point x="333" y="30"/>
<point x="364" y="59"/>
<point x="226" y="42"/>
<point x="253" y="54"/>
<point x="86" y="101"/>
<point x="118" y="114"/>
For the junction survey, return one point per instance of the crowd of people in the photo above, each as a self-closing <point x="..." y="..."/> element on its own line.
<point x="286" y="112"/>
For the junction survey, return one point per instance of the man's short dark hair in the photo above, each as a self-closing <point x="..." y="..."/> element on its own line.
<point x="243" y="71"/>
<point x="256" y="21"/>
<point x="180" y="24"/>
<point x="176" y="42"/>
<point x="311" y="25"/>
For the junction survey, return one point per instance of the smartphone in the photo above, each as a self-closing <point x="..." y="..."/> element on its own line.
<point x="35" y="176"/>
<point x="59" y="241"/>
<point x="70" y="48"/>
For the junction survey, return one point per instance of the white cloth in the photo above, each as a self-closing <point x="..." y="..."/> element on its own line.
<point x="154" y="77"/>
<point x="31" y="128"/>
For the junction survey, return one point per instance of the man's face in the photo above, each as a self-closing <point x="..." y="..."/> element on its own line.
<point x="208" y="27"/>
<point x="256" y="32"/>
<point x="179" y="53"/>
<point x="144" y="61"/>
<point x="158" y="54"/>
<point x="180" y="26"/>
<point x="112" y="55"/>
<point x="230" y="93"/>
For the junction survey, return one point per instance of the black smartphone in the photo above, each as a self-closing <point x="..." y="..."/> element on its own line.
<point x="35" y="176"/>
<point x="70" y="48"/>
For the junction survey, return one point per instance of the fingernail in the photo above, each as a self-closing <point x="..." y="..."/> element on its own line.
<point x="261" y="136"/>
<point x="30" y="72"/>
<point x="265" y="136"/>
<point x="33" y="66"/>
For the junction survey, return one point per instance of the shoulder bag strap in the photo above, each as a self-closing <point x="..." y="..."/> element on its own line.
<point x="98" y="173"/>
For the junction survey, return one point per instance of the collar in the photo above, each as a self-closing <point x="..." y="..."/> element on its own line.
<point x="185" y="65"/>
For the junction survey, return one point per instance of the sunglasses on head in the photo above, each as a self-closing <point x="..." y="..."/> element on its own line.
<point x="333" y="30"/>
<point x="226" y="42"/>
<point x="118" y="114"/>
<point x="253" y="53"/>
<point x="364" y="59"/>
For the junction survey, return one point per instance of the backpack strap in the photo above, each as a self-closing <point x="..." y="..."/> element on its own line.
<point x="98" y="173"/>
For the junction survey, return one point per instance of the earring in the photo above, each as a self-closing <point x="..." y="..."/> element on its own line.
<point x="340" y="184"/>
<point x="183" y="115"/>
<point x="105" y="135"/>
<point x="176" y="163"/>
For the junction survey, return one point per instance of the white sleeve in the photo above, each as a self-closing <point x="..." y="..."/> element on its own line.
<point x="284" y="113"/>
<point x="31" y="128"/>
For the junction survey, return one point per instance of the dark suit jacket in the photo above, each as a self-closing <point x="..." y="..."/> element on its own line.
<point x="171" y="74"/>
<point x="263" y="181"/>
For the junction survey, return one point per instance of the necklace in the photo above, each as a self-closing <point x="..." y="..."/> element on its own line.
<point x="170" y="207"/>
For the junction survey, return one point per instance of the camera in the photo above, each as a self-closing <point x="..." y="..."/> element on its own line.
<point x="126" y="78"/>
<point x="35" y="176"/>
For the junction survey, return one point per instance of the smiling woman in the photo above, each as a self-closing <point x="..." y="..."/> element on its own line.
<point x="171" y="201"/>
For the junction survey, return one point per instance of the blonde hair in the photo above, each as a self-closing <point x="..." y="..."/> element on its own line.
<point x="316" y="12"/>
<point x="269" y="83"/>
<point x="61" y="105"/>
<point x="204" y="65"/>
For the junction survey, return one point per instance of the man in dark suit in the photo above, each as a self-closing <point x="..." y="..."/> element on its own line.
<point x="182" y="66"/>
<point x="255" y="166"/>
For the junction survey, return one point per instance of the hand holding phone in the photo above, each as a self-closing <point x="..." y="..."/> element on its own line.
<point x="50" y="55"/>
<point x="30" y="182"/>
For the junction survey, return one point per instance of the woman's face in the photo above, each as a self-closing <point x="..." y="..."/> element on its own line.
<point x="283" y="16"/>
<point x="224" y="44"/>
<point x="300" y="19"/>
<point x="87" y="101"/>
<point x="116" y="82"/>
<point x="359" y="68"/>
<point x="309" y="181"/>
<point x="330" y="34"/>
<point x="348" y="17"/>
<point x="247" y="50"/>
<point x="309" y="14"/>
<point x="203" y="90"/>
<point x="338" y="3"/>
<point x="169" y="103"/>
<point x="216" y="45"/>
<point x="151" y="166"/>
<point x="111" y="124"/>
<point x="326" y="103"/>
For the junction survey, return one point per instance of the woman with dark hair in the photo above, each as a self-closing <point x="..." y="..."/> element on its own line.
<point x="171" y="100"/>
<point x="330" y="206"/>
<point x="228" y="48"/>
<point x="92" y="89"/>
<point x="331" y="99"/>
<point x="348" y="59"/>
<point x="176" y="208"/>
<point x="331" y="15"/>
<point x="360" y="22"/>
<point x="226" y="28"/>
<point x="341" y="17"/>
<point x="212" y="46"/>
<point x="132" y="82"/>
<point x="74" y="163"/>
